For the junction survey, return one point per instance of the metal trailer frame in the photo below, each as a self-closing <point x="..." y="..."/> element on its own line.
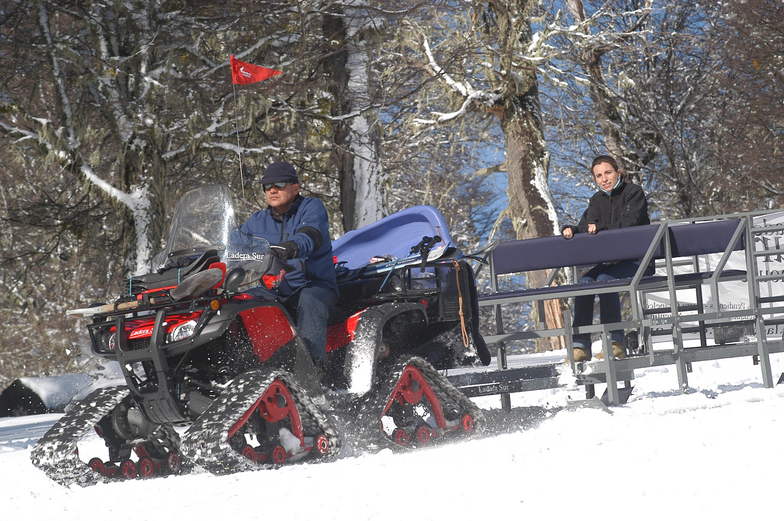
<point x="680" y="319"/>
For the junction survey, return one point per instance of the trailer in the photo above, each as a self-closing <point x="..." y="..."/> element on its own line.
<point x="695" y="260"/>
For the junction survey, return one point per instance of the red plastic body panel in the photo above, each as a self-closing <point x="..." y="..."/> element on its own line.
<point x="268" y="328"/>
<point x="339" y="335"/>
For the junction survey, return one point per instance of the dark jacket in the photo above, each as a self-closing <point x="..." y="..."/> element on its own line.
<point x="306" y="224"/>
<point x="624" y="206"/>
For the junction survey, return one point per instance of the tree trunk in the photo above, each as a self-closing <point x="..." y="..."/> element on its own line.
<point x="356" y="155"/>
<point x="367" y="200"/>
<point x="530" y="204"/>
<point x="334" y="30"/>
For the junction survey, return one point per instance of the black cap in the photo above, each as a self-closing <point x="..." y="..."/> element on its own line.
<point x="279" y="172"/>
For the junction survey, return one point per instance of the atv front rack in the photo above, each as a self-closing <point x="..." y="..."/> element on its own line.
<point x="144" y="362"/>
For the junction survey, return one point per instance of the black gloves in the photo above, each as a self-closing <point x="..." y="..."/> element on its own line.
<point x="285" y="250"/>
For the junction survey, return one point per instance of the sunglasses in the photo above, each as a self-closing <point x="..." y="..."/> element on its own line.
<point x="280" y="186"/>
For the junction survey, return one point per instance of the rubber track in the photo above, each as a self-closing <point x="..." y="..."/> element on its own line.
<point x="56" y="452"/>
<point x="205" y="443"/>
<point x="445" y="391"/>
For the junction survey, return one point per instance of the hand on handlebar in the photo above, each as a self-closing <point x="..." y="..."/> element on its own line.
<point x="284" y="251"/>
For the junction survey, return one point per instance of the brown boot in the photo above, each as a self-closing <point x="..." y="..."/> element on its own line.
<point x="580" y="354"/>
<point x="618" y="352"/>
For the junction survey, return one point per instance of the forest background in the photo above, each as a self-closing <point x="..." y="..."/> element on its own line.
<point x="489" y="110"/>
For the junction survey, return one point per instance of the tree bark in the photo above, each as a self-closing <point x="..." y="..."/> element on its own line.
<point x="530" y="205"/>
<point x="367" y="175"/>
<point x="356" y="152"/>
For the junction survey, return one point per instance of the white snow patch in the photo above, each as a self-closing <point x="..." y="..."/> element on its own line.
<point x="708" y="453"/>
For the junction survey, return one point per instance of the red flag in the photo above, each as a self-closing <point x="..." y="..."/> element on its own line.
<point x="243" y="73"/>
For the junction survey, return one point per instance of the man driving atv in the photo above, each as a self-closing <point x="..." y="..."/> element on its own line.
<point x="297" y="229"/>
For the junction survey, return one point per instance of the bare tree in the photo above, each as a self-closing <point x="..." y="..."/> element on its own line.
<point x="676" y="96"/>
<point x="749" y="38"/>
<point x="588" y="53"/>
<point x="352" y="29"/>
<point x="492" y="70"/>
<point x="112" y="112"/>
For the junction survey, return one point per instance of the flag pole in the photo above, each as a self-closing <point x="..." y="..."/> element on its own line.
<point x="244" y="73"/>
<point x="237" y="133"/>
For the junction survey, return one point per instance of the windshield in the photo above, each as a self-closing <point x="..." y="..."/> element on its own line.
<point x="204" y="219"/>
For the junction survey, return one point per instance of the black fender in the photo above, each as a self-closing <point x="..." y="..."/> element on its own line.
<point x="363" y="351"/>
<point x="479" y="342"/>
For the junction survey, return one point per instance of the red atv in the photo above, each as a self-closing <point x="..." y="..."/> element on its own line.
<point x="216" y="376"/>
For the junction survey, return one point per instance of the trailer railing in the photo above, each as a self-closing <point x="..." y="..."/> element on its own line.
<point x="679" y="259"/>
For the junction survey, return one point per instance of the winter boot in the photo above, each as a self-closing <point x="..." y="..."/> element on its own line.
<point x="580" y="354"/>
<point x="617" y="350"/>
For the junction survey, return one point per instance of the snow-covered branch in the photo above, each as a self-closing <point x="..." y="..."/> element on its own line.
<point x="274" y="40"/>
<point x="442" y="117"/>
<point x="379" y="10"/>
<point x="767" y="186"/>
<point x="138" y="203"/>
<point x="464" y="89"/>
<point x="606" y="39"/>
<point x="241" y="150"/>
<point x="23" y="134"/>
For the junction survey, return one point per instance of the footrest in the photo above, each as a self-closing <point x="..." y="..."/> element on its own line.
<point x="601" y="377"/>
<point x="589" y="403"/>
<point x="588" y="373"/>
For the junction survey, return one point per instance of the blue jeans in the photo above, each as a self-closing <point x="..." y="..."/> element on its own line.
<point x="609" y="303"/>
<point x="311" y="306"/>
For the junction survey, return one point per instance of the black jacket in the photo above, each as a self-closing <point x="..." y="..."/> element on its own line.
<point x="624" y="206"/>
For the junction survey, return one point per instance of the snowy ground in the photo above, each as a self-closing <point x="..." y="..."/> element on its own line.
<point x="709" y="453"/>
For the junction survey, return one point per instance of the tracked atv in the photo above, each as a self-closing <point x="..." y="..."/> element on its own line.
<point x="216" y="376"/>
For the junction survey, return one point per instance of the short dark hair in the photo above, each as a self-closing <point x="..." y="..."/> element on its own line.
<point x="605" y="159"/>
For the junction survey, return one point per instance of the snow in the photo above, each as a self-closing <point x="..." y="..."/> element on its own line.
<point x="708" y="453"/>
<point x="464" y="89"/>
<point x="540" y="183"/>
<point x="57" y="391"/>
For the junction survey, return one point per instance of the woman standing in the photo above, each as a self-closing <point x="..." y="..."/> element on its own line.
<point x="617" y="204"/>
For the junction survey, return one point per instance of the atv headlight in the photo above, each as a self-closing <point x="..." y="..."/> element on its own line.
<point x="184" y="330"/>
